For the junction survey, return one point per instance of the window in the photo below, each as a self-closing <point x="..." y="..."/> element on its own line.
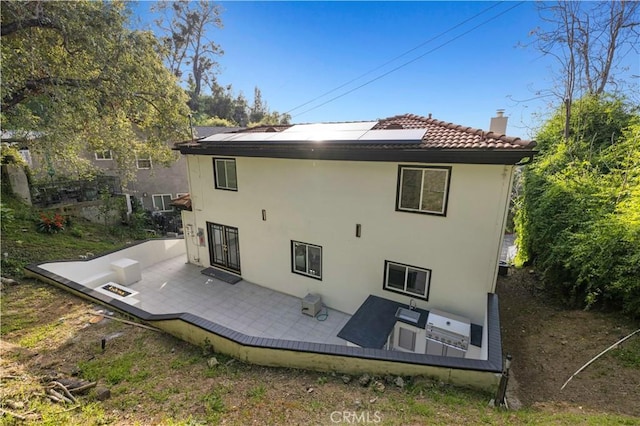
<point x="104" y="155"/>
<point x="224" y="173"/>
<point x="143" y="163"/>
<point x="407" y="279"/>
<point x="306" y="259"/>
<point x="162" y="202"/>
<point x="423" y="189"/>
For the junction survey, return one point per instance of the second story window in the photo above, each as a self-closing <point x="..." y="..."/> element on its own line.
<point x="224" y="174"/>
<point x="104" y="155"/>
<point x="423" y="189"/>
<point x="143" y="162"/>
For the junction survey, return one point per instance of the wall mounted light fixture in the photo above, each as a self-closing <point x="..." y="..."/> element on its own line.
<point x="358" y="230"/>
<point x="264" y="214"/>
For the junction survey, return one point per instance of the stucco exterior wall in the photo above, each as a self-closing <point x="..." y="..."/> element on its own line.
<point x="320" y="202"/>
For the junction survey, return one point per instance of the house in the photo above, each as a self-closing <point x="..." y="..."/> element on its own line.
<point x="394" y="221"/>
<point x="154" y="187"/>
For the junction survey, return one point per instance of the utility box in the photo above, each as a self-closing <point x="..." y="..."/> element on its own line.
<point x="311" y="305"/>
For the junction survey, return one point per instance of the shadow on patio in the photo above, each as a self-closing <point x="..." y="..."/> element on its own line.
<point x="176" y="286"/>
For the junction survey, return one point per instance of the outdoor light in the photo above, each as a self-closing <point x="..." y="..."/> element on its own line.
<point x="358" y="230"/>
<point x="507" y="363"/>
<point x="264" y="214"/>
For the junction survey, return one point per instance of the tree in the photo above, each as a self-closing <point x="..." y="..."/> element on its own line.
<point x="239" y="113"/>
<point x="186" y="45"/>
<point x="579" y="220"/>
<point x="259" y="108"/>
<point x="235" y="110"/>
<point x="73" y="73"/>
<point x="588" y="40"/>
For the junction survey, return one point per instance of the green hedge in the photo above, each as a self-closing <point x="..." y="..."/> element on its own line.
<point x="579" y="220"/>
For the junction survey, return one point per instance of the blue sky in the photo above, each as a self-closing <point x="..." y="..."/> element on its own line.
<point x="297" y="51"/>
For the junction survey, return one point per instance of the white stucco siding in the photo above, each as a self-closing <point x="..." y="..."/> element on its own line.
<point x="320" y="202"/>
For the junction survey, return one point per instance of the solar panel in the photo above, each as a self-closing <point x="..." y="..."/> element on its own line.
<point x="329" y="133"/>
<point x="394" y="135"/>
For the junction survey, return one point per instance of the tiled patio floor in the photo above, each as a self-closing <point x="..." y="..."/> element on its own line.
<point x="174" y="286"/>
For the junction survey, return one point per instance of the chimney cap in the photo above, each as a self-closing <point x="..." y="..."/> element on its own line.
<point x="500" y="112"/>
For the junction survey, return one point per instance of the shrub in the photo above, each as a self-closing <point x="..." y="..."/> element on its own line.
<point x="579" y="221"/>
<point x="6" y="216"/>
<point x="50" y="223"/>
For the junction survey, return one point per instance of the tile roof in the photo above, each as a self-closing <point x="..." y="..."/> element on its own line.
<point x="438" y="134"/>
<point x="441" y="134"/>
<point x="406" y="138"/>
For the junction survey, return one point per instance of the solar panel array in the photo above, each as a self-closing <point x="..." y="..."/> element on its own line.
<point x="331" y="133"/>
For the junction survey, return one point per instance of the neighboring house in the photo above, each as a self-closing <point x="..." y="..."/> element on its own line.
<point x="155" y="186"/>
<point x="367" y="215"/>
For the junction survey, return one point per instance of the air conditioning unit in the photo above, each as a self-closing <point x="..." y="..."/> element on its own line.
<point x="311" y="305"/>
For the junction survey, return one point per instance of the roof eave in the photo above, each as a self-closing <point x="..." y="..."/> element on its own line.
<point x="508" y="156"/>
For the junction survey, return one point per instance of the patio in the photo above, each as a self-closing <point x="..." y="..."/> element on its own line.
<point x="173" y="286"/>
<point x="152" y="281"/>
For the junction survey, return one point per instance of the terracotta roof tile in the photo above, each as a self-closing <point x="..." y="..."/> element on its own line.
<point x="266" y="128"/>
<point x="441" y="134"/>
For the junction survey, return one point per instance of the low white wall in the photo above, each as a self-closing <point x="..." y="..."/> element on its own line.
<point x="147" y="253"/>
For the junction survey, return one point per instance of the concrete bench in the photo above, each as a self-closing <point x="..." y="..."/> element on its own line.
<point x="127" y="271"/>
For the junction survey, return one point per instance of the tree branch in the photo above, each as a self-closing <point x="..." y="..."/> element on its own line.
<point x="37" y="86"/>
<point x="8" y="29"/>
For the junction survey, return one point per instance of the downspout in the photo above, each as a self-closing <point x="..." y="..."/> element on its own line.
<point x="505" y="215"/>
<point x="194" y="229"/>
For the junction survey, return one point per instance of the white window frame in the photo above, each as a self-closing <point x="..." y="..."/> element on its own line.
<point x="222" y="162"/>
<point x="101" y="157"/>
<point x="164" y="209"/>
<point x="423" y="169"/>
<point x="308" y="273"/>
<point x="143" y="159"/>
<point x="424" y="296"/>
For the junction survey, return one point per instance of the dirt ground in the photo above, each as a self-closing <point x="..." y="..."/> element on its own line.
<point x="549" y="344"/>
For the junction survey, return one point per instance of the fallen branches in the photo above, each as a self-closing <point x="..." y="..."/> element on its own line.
<point x="62" y="391"/>
<point x="63" y="388"/>
<point x="12" y="414"/>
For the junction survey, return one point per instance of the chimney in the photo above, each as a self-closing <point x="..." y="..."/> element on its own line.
<point x="499" y="123"/>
